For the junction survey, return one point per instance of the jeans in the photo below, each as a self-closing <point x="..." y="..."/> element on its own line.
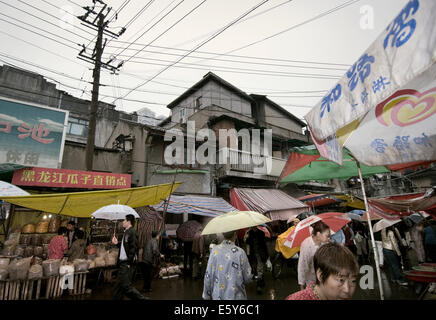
<point x="123" y="285"/>
<point x="394" y="264"/>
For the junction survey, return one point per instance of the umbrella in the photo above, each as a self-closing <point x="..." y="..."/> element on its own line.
<point x="384" y="223"/>
<point x="187" y="230"/>
<point x="335" y="221"/>
<point x="234" y="220"/>
<point x="354" y="216"/>
<point x="417" y="218"/>
<point x="114" y="212"/>
<point x="7" y="190"/>
<point x="384" y="108"/>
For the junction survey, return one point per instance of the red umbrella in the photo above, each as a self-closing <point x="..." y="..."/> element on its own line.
<point x="187" y="230"/>
<point x="335" y="221"/>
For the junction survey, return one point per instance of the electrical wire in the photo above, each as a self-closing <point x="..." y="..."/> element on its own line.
<point x="44" y="36"/>
<point x="295" y="26"/>
<point x="199" y="46"/>
<point x="39" y="18"/>
<point x="116" y="54"/>
<point x="166" y="30"/>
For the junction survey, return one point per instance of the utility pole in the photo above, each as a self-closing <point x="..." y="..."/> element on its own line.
<point x="95" y="58"/>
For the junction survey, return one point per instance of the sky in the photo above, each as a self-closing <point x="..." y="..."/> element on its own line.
<point x="292" y="51"/>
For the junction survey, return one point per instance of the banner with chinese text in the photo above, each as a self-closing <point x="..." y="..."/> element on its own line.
<point x="31" y="135"/>
<point x="46" y="177"/>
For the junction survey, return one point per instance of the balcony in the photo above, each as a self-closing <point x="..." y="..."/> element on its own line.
<point x="256" y="166"/>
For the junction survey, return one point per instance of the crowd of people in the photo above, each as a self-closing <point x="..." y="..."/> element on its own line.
<point x="328" y="264"/>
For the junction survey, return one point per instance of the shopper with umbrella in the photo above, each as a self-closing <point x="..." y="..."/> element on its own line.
<point x="187" y="232"/>
<point x="127" y="259"/>
<point x="228" y="269"/>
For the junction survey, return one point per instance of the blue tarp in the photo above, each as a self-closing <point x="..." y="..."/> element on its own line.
<point x="203" y="206"/>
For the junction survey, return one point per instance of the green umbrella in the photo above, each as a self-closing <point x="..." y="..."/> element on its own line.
<point x="306" y="164"/>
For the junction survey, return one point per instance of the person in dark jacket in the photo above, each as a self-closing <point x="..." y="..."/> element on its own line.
<point x="127" y="257"/>
<point x="257" y="254"/>
<point x="150" y="258"/>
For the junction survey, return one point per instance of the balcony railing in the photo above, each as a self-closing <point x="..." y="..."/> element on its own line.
<point x="238" y="160"/>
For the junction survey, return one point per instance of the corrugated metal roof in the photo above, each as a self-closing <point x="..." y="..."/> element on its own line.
<point x="204" y="206"/>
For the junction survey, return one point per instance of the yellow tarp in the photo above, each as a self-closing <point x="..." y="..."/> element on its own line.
<point x="83" y="204"/>
<point x="351" y="202"/>
<point x="280" y="246"/>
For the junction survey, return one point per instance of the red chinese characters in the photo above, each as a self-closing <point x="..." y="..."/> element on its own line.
<point x="38" y="132"/>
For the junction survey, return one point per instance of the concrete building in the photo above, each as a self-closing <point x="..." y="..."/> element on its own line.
<point x="213" y="103"/>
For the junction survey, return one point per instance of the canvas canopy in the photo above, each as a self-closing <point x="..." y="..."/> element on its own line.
<point x="198" y="205"/>
<point x="83" y="204"/>
<point x="272" y="202"/>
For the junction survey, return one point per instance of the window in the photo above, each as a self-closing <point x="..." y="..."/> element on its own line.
<point x="182" y="115"/>
<point x="77" y="127"/>
<point x="197" y="104"/>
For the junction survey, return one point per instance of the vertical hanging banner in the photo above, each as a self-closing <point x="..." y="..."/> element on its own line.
<point x="47" y="177"/>
<point x="31" y="134"/>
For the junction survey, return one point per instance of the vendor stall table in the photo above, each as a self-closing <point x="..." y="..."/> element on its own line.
<point x="424" y="273"/>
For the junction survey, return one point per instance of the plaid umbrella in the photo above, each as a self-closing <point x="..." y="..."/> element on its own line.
<point x="187" y="230"/>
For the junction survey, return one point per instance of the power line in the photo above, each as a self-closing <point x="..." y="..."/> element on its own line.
<point x="172" y="26"/>
<point x="232" y="61"/>
<point x="44" y="36"/>
<point x="300" y="24"/>
<point x="49" y="14"/>
<point x="127" y="42"/>
<point x="138" y="14"/>
<point x="199" y="46"/>
<point x="239" y="56"/>
<point x="243" y="20"/>
<point x="295" y="26"/>
<point x="150" y="28"/>
<point x="28" y="24"/>
<point x="234" y="68"/>
<point x="44" y="20"/>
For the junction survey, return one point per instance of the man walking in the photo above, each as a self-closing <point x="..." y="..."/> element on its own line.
<point x="127" y="258"/>
<point x="228" y="271"/>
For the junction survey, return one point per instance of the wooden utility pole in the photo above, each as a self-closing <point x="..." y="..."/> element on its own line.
<point x="90" y="143"/>
<point x="95" y="58"/>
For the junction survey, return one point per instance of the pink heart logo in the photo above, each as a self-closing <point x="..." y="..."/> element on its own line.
<point x="406" y="107"/>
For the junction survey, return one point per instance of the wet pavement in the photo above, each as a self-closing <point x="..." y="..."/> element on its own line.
<point x="189" y="289"/>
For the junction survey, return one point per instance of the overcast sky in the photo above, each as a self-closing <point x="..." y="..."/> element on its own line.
<point x="305" y="46"/>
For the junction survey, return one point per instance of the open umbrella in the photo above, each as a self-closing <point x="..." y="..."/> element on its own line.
<point x="384" y="223"/>
<point x="234" y="220"/>
<point x="187" y="230"/>
<point x="354" y="216"/>
<point x="335" y="221"/>
<point x="7" y="190"/>
<point x="114" y="212"/>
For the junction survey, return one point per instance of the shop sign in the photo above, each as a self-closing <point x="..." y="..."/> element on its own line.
<point x="31" y="135"/>
<point x="47" y="177"/>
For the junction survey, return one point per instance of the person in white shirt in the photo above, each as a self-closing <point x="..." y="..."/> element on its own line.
<point x="320" y="235"/>
<point x="392" y="256"/>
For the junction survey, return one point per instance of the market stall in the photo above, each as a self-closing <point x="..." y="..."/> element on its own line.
<point x="25" y="270"/>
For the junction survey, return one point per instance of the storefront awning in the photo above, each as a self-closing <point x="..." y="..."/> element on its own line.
<point x="83" y="204"/>
<point x="199" y="205"/>
<point x="274" y="203"/>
